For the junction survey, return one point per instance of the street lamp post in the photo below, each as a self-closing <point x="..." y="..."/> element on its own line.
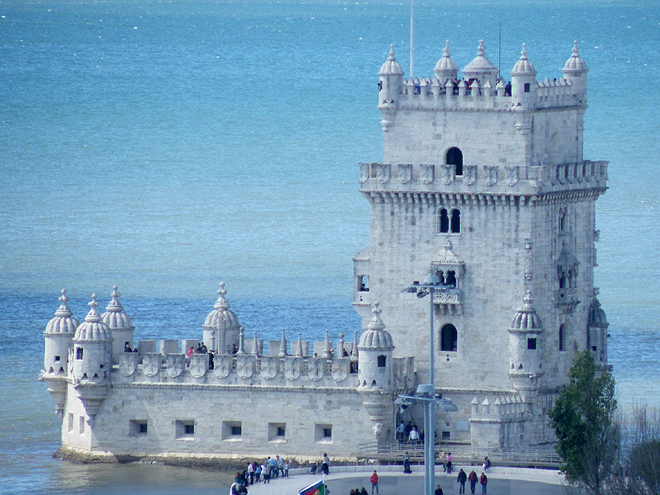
<point x="426" y="393"/>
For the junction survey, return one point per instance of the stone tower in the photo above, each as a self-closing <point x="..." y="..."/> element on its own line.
<point x="483" y="183"/>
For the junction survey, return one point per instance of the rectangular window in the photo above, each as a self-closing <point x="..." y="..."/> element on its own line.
<point x="57" y="359"/>
<point x="81" y="424"/>
<point x="137" y="427"/>
<point x="381" y="361"/>
<point x="70" y="425"/>
<point x="446" y="435"/>
<point x="531" y="344"/>
<point x="232" y="430"/>
<point x="79" y="353"/>
<point x="528" y="87"/>
<point x="185" y="429"/>
<point x="276" y="432"/>
<point x="323" y="433"/>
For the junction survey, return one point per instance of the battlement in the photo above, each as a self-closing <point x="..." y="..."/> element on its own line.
<point x="429" y="93"/>
<point x="405" y="179"/>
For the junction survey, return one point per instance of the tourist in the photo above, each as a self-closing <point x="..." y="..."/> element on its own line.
<point x="414" y="435"/>
<point x="250" y="472"/>
<point x="127" y="347"/>
<point x="484" y="482"/>
<point x="325" y="464"/>
<point x="462" y="478"/>
<point x="363" y="491"/>
<point x="286" y="469"/>
<point x="400" y="432"/>
<point x="450" y="461"/>
<point x="272" y="465"/>
<point x="265" y="470"/>
<point x="257" y="473"/>
<point x="374" y="482"/>
<point x="438" y="490"/>
<point x="313" y="468"/>
<point x="473" y="481"/>
<point x="406" y="463"/>
<point x="486" y="464"/>
<point x="280" y="466"/>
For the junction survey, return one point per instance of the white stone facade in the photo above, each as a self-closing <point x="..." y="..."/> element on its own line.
<point x="482" y="183"/>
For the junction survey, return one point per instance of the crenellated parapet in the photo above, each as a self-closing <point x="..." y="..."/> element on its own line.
<point x="406" y="180"/>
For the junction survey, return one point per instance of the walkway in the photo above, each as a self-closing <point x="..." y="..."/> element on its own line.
<point x="342" y="479"/>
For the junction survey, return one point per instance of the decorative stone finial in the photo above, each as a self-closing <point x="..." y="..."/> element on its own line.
<point x="241" y="341"/>
<point x="221" y="303"/>
<point x="299" y="351"/>
<point x="255" y="347"/>
<point x="376" y="322"/>
<point x="527" y="300"/>
<point x="445" y="53"/>
<point x="283" y="352"/>
<point x="64" y="309"/>
<point x="523" y="54"/>
<point x="392" y="58"/>
<point x="93" y="315"/>
<point x="481" y="52"/>
<point x="114" y="305"/>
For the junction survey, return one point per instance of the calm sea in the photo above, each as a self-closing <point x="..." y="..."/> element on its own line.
<point x="168" y="145"/>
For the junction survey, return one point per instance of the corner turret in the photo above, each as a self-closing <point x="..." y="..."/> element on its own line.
<point x="389" y="89"/>
<point x="445" y="70"/>
<point x="575" y="70"/>
<point x="481" y="69"/>
<point x="221" y="326"/>
<point x="58" y="338"/>
<point x="375" y="347"/>
<point x="523" y="81"/>
<point x="525" y="347"/>
<point x="120" y="325"/>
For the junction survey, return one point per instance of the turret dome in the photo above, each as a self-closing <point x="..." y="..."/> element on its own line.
<point x="575" y="65"/>
<point x="597" y="317"/>
<point x="221" y="316"/>
<point x="523" y="66"/>
<point x="480" y="67"/>
<point x="391" y="66"/>
<point x="375" y="337"/>
<point x="93" y="327"/>
<point x="526" y="318"/>
<point x="114" y="316"/>
<point x="64" y="322"/>
<point x="445" y="68"/>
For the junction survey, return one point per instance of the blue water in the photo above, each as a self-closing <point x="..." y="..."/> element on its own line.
<point x="168" y="145"/>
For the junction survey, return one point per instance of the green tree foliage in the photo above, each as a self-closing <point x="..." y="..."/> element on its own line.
<point x="584" y="422"/>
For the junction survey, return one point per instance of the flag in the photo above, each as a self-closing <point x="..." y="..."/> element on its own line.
<point x="317" y="488"/>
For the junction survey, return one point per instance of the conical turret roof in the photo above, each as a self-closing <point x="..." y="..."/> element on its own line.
<point x="391" y="66"/>
<point x="575" y="65"/>
<point x="375" y="337"/>
<point x="93" y="328"/>
<point x="523" y="66"/>
<point x="64" y="322"/>
<point x="114" y="315"/>
<point x="526" y="317"/>
<point x="221" y="316"/>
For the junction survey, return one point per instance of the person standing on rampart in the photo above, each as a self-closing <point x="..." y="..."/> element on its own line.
<point x="374" y="482"/>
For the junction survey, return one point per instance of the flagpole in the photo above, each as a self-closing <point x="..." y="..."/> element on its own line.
<point x="412" y="40"/>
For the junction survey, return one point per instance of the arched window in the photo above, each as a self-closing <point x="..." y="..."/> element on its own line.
<point x="382" y="360"/>
<point x="450" y="278"/>
<point x="448" y="338"/>
<point x="79" y="353"/>
<point x="562" y="336"/>
<point x="455" y="157"/>
<point x="449" y="221"/>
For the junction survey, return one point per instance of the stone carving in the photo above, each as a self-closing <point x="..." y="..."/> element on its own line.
<point x="427" y="173"/>
<point x="151" y="364"/>
<point x="491" y="175"/>
<point x="293" y="368"/>
<point x="364" y="172"/>
<point x="128" y="364"/>
<point x="448" y="173"/>
<point x="469" y="174"/>
<point x="315" y="369"/>
<point x="405" y="173"/>
<point x="383" y="173"/>
<point x="222" y="366"/>
<point x="270" y="366"/>
<point x="340" y="368"/>
<point x="198" y="365"/>
<point x="245" y="366"/>
<point x="511" y="175"/>
<point x="176" y="363"/>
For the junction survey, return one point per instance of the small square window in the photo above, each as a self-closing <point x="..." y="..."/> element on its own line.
<point x="276" y="432"/>
<point x="381" y="361"/>
<point x="446" y="435"/>
<point x="57" y="359"/>
<point x="137" y="427"/>
<point x="232" y="430"/>
<point x="323" y="433"/>
<point x="531" y="344"/>
<point x="185" y="429"/>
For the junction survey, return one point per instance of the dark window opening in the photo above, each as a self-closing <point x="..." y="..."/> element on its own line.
<point x="381" y="361"/>
<point x="455" y="157"/>
<point x="444" y="221"/>
<point x="142" y="428"/>
<point x="531" y="344"/>
<point x="189" y="429"/>
<point x="446" y="435"/>
<point x="448" y="338"/>
<point x="562" y="279"/>
<point x="327" y="432"/>
<point x="455" y="221"/>
<point x="236" y="431"/>
<point x="79" y="353"/>
<point x="528" y="87"/>
<point x="353" y="367"/>
<point x="450" y="278"/>
<point x="561" y="337"/>
<point x="281" y="431"/>
<point x="57" y="359"/>
<point x="363" y="283"/>
<point x="562" y="220"/>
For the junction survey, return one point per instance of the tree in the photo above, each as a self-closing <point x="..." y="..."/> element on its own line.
<point x="584" y="422"/>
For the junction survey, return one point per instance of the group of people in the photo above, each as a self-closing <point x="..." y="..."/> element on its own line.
<point x="408" y="433"/>
<point x="272" y="467"/>
<point x="461" y="479"/>
<point x="323" y="465"/>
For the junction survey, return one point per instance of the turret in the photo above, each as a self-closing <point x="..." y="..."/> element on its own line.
<point x="120" y="325"/>
<point x="375" y="347"/>
<point x="445" y="70"/>
<point x="389" y="89"/>
<point x="597" y="325"/>
<point x="58" y="341"/>
<point x="92" y="360"/>
<point x="526" y="347"/>
<point x="575" y="70"/>
<point x="481" y="68"/>
<point x="221" y="326"/>
<point x="523" y="81"/>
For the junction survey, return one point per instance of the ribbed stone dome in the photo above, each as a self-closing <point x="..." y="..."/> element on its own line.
<point x="445" y="68"/>
<point x="64" y="322"/>
<point x="523" y="66"/>
<point x="221" y="316"/>
<point x="480" y="64"/>
<point x="93" y="328"/>
<point x="375" y="337"/>
<point x="526" y="317"/>
<point x="575" y="65"/>
<point x="114" y="316"/>
<point x="391" y="66"/>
